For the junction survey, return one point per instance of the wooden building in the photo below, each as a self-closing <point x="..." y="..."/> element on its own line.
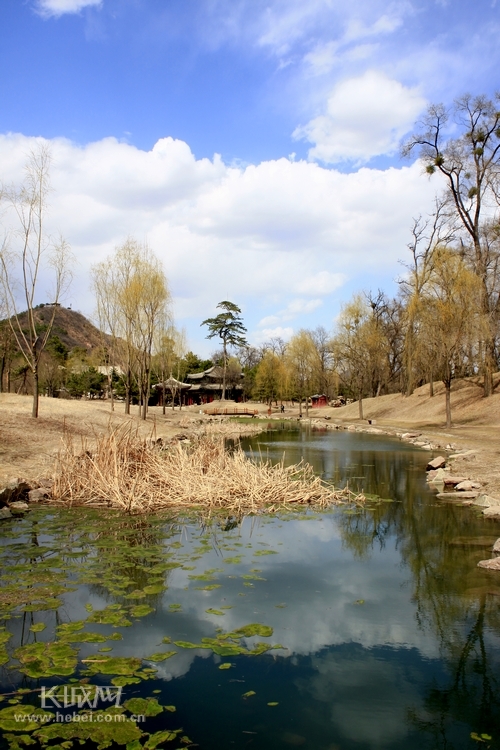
<point x="207" y="387"/>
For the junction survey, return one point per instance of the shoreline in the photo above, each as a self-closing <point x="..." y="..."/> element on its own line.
<point x="28" y="448"/>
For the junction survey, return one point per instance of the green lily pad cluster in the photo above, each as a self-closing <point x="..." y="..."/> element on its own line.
<point x="230" y="644"/>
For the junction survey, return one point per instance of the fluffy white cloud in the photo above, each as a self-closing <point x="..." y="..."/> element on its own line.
<point x="295" y="309"/>
<point x="57" y="8"/>
<point x="323" y="282"/>
<point x="280" y="238"/>
<point x="365" y="116"/>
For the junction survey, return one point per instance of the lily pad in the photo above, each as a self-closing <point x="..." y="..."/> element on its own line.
<point x="161" y="656"/>
<point x="38" y="627"/>
<point x="143" y="706"/>
<point x="265" y="631"/>
<point x="141" y="610"/>
<point x="46" y="659"/>
<point x="17" y="718"/>
<point x="100" y="731"/>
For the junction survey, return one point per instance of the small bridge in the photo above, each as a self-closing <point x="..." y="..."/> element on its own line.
<point x="231" y="411"/>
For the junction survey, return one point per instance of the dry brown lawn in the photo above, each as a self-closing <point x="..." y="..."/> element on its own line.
<point x="29" y="446"/>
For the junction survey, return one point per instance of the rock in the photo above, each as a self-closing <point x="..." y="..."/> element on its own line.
<point x="5" y="513"/>
<point x="18" y="506"/>
<point x="46" y="483"/>
<point x="437" y="463"/>
<point x="493" y="564"/>
<point x="38" y="495"/>
<point x="409" y="435"/>
<point x="462" y="454"/>
<point x="492" y="511"/>
<point x="15" y="489"/>
<point x="457" y="496"/>
<point x="451" y="480"/>
<point x="496" y="546"/>
<point x="468" y="485"/>
<point x="485" y="501"/>
<point x="436" y="476"/>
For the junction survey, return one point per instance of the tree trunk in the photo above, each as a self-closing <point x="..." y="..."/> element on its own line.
<point x="489" y="360"/>
<point x="431" y="386"/>
<point x="224" y="374"/>
<point x="34" y="411"/>
<point x="2" y="368"/>
<point x="447" y="387"/>
<point x="127" y="392"/>
<point x="360" y="406"/>
<point x="300" y="406"/>
<point x="307" y="406"/>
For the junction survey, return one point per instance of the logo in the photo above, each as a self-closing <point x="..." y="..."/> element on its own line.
<point x="80" y="696"/>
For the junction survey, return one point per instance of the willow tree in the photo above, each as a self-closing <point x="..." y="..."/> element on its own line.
<point x="131" y="288"/>
<point x="450" y="317"/>
<point x="271" y="378"/>
<point x="228" y="326"/>
<point x="360" y="349"/>
<point x="301" y="359"/>
<point x="28" y="254"/>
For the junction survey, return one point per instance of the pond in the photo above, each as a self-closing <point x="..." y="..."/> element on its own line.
<point x="356" y="628"/>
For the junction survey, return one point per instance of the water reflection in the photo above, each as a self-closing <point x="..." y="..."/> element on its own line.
<point x="390" y="632"/>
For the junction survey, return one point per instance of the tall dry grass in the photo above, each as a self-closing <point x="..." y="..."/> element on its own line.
<point x="126" y="472"/>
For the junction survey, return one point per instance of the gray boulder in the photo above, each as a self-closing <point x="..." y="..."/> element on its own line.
<point x="452" y="480"/>
<point x="468" y="485"/>
<point x="5" y="513"/>
<point x="39" y="495"/>
<point x="18" y="506"/>
<point x="437" y="463"/>
<point x="15" y="489"/>
<point x="493" y="564"/>
<point x="436" y="476"/>
<point x="457" y="496"/>
<point x="493" y="511"/>
<point x="485" y="501"/>
<point x="496" y="546"/>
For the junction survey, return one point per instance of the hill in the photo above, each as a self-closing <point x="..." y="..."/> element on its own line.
<point x="70" y="326"/>
<point x="468" y="407"/>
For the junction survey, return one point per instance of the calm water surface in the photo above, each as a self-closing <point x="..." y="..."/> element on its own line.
<point x="385" y="634"/>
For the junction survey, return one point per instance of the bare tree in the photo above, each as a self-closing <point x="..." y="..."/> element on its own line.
<point x="27" y="252"/>
<point x="470" y="164"/>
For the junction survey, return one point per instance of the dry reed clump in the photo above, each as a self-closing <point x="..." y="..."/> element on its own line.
<point x="127" y="473"/>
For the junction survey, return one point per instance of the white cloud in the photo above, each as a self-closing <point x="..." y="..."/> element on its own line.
<point x="48" y="8"/>
<point x="294" y="309"/>
<point x="273" y="333"/>
<point x="365" y="116"/>
<point x="322" y="282"/>
<point x="278" y="237"/>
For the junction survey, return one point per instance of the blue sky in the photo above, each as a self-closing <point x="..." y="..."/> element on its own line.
<point x="253" y="144"/>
